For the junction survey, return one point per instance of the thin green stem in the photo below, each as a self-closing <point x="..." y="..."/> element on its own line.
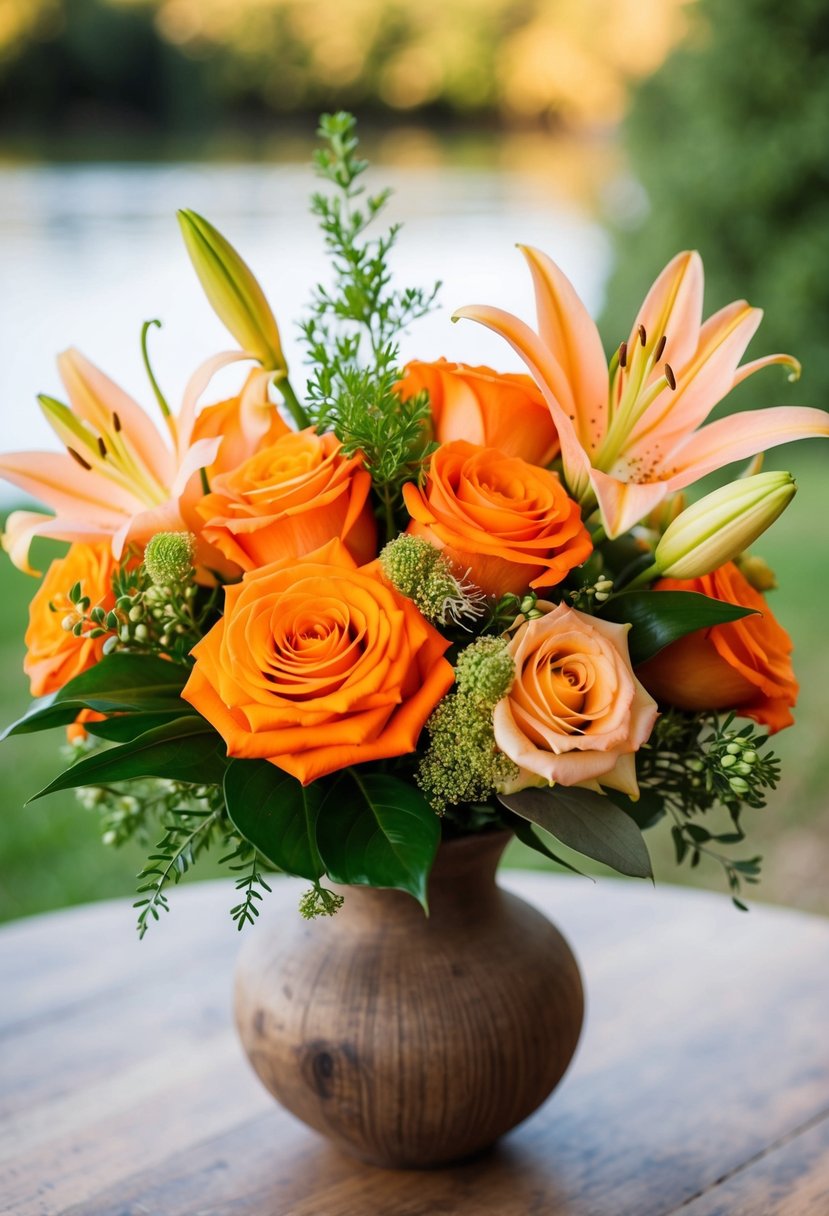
<point x="159" y="396"/>
<point x="646" y="576"/>
<point x="295" y="408"/>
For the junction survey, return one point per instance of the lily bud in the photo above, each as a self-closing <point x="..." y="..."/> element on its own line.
<point x="721" y="525"/>
<point x="233" y="292"/>
<point x="756" y="571"/>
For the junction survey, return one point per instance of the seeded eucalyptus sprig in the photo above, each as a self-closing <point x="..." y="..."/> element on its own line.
<point x="693" y="764"/>
<point x="352" y="335"/>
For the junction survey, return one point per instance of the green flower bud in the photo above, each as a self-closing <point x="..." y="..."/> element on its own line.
<point x="420" y="572"/>
<point x="721" y="525"/>
<point x="485" y="670"/>
<point x="738" y="785"/>
<point x="168" y="558"/>
<point x="233" y="292"/>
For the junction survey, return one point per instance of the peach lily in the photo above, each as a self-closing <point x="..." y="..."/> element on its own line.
<point x="632" y="433"/>
<point x="119" y="479"/>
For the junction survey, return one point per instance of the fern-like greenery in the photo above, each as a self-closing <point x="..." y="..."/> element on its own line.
<point x="352" y="334"/>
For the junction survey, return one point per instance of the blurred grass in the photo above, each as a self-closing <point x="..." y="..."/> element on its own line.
<point x="51" y="855"/>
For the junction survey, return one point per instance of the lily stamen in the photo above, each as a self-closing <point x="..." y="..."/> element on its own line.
<point x="76" y="456"/>
<point x="660" y="349"/>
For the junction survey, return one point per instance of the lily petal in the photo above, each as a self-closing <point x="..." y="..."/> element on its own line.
<point x="23" y="526"/>
<point x="64" y="486"/>
<point x="624" y="503"/>
<point x="550" y="379"/>
<point x="199" y="455"/>
<point x="96" y="399"/>
<point x="673" y="307"/>
<point x="701" y="382"/>
<point x="740" y="436"/>
<point x="198" y="383"/>
<point x="567" y="329"/>
<point x="749" y="369"/>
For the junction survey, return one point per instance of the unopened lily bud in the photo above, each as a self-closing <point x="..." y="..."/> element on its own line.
<point x="168" y="558"/>
<point x="757" y="572"/>
<point x="721" y="525"/>
<point x="233" y="291"/>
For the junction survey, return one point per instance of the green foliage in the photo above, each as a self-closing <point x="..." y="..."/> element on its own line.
<point x="278" y="815"/>
<point x="119" y="683"/>
<point x="183" y="749"/>
<point x="729" y="140"/>
<point x="378" y="831"/>
<point x="188" y="832"/>
<point x="352" y="333"/>
<point x="697" y="763"/>
<point x="659" y="618"/>
<point x="585" y="821"/>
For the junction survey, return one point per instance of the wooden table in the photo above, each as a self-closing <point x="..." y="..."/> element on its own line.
<point x="701" y="1086"/>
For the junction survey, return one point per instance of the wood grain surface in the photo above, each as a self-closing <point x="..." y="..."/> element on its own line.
<point x="700" y="1087"/>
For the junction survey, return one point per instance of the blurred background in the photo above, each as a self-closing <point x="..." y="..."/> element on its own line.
<point x="612" y="133"/>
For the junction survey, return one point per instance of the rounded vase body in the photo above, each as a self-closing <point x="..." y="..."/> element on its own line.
<point x="407" y="1040"/>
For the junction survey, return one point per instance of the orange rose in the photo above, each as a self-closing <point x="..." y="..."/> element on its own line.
<point x="510" y="524"/>
<point x="494" y="409"/>
<point x="317" y="665"/>
<point x="55" y="655"/>
<point x="246" y="423"/>
<point x="743" y="665"/>
<point x="289" y="499"/>
<point x="576" y="714"/>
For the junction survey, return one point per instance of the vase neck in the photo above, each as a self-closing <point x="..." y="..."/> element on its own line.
<point x="461" y="884"/>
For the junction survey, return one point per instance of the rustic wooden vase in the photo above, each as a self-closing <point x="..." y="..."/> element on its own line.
<point x="411" y="1041"/>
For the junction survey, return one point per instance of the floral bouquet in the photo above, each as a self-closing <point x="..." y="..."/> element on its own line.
<point x="328" y="630"/>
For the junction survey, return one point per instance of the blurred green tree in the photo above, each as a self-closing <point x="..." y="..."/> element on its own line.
<point x="730" y="141"/>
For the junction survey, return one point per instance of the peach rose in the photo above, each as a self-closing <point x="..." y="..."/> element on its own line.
<point x="743" y="665"/>
<point x="510" y="524"/>
<point x="287" y="500"/>
<point x="494" y="409"/>
<point x="55" y="656"/>
<point x="317" y="665"/>
<point x="576" y="714"/>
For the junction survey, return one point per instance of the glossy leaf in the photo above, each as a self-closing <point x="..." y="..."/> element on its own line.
<point x="527" y="834"/>
<point x="122" y="728"/>
<point x="276" y="814"/>
<point x="42" y="714"/>
<point x="378" y="831"/>
<point x="185" y="749"/>
<point x="661" y="617"/>
<point x="118" y="683"/>
<point x="587" y="822"/>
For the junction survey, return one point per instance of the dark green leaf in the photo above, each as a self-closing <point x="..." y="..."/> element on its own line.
<point x="378" y="831"/>
<point x="126" y="681"/>
<point x="118" y="683"/>
<point x="587" y="822"/>
<point x="680" y="844"/>
<point x="697" y="833"/>
<point x="41" y="715"/>
<point x="276" y="814"/>
<point x="646" y="812"/>
<point x="185" y="749"/>
<point x="527" y="835"/>
<point x="122" y="728"/>
<point x="661" y="617"/>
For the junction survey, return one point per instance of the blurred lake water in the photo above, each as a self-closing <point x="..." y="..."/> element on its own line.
<point x="91" y="250"/>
